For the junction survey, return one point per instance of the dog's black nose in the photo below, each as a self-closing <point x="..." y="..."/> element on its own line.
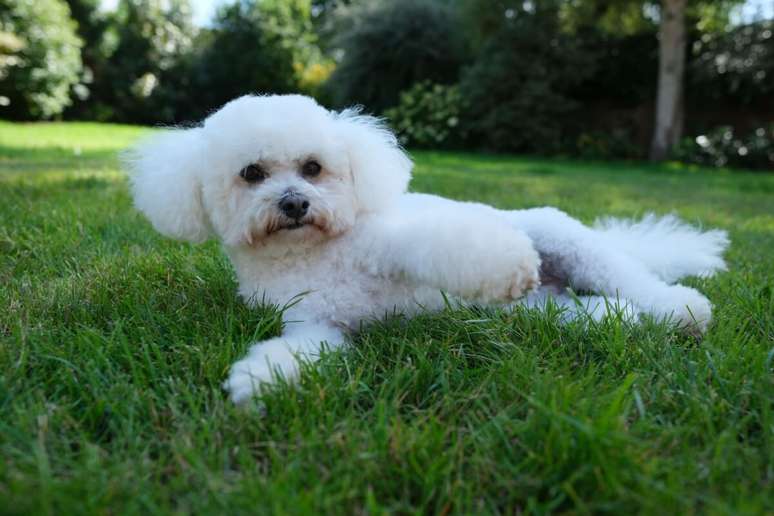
<point x="294" y="206"/>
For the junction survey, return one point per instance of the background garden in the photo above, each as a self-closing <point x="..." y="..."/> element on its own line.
<point x="548" y="77"/>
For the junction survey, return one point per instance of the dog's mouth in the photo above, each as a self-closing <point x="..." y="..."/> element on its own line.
<point x="293" y="225"/>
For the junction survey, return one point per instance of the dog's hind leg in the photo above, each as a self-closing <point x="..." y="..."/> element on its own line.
<point x="589" y="263"/>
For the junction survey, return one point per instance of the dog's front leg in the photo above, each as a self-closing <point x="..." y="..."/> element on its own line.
<point x="280" y="356"/>
<point x="462" y="252"/>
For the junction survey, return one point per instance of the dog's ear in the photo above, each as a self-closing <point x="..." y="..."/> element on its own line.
<point x="165" y="174"/>
<point x="381" y="170"/>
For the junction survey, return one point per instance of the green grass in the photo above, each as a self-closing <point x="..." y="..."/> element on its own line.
<point x="114" y="343"/>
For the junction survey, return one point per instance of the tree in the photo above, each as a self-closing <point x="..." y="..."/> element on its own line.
<point x="254" y="47"/>
<point x="673" y="30"/>
<point x="10" y="45"/>
<point x="518" y="89"/>
<point x="42" y="58"/>
<point x="152" y="36"/>
<point x="388" y="46"/>
<point x="668" y="126"/>
<point x="674" y="18"/>
<point x="93" y="25"/>
<point x="735" y="67"/>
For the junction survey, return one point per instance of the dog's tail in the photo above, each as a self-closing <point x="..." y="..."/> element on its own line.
<point x="667" y="246"/>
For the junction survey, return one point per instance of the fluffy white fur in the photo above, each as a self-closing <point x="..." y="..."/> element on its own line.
<point x="366" y="248"/>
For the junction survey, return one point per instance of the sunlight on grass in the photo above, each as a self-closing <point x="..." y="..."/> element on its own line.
<point x="68" y="137"/>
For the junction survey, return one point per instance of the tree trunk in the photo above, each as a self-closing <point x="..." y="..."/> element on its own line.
<point x="671" y="65"/>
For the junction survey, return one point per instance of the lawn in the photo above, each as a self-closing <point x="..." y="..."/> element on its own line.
<point x="114" y="342"/>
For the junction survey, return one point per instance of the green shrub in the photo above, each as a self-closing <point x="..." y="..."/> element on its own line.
<point x="132" y="84"/>
<point x="734" y="67"/>
<point x="616" y="143"/>
<point x="387" y="46"/>
<point x="519" y="89"/>
<point x="721" y="147"/>
<point x="428" y="115"/>
<point x="254" y="46"/>
<point x="42" y="59"/>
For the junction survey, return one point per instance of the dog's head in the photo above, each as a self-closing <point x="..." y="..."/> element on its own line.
<point x="268" y="168"/>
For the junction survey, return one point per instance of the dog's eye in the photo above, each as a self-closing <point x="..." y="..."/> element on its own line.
<point x="311" y="168"/>
<point x="252" y="174"/>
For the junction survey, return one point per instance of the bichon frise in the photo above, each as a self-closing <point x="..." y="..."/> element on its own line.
<point x="313" y="203"/>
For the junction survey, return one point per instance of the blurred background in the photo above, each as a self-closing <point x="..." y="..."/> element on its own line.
<point x="688" y="80"/>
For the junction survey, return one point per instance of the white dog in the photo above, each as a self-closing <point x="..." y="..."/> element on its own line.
<point x="313" y="203"/>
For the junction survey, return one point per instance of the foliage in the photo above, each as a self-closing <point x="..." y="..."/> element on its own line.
<point x="428" y="115"/>
<point x="518" y="90"/>
<point x="734" y="67"/>
<point x="94" y="27"/>
<point x="10" y="45"/>
<point x="619" y="18"/>
<point x="151" y="36"/>
<point x="722" y="148"/>
<point x="616" y="143"/>
<point x="629" y="17"/>
<point x="114" y="342"/>
<point x="254" y="47"/>
<point x="624" y="70"/>
<point x="386" y="46"/>
<point x="91" y="22"/>
<point x="312" y="76"/>
<point x="41" y="58"/>
<point x="555" y="76"/>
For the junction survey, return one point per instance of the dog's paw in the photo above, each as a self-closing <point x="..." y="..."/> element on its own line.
<point x="526" y="278"/>
<point x="512" y="273"/>
<point x="260" y="368"/>
<point x="690" y="309"/>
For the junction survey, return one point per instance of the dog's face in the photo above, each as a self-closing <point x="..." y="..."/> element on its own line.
<point x="263" y="170"/>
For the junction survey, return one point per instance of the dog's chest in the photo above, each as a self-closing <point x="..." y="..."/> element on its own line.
<point x="331" y="285"/>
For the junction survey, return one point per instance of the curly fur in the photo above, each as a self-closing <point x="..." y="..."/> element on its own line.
<point x="366" y="247"/>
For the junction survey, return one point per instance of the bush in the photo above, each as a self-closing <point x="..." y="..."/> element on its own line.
<point x="387" y="46"/>
<point x="255" y="46"/>
<point x="518" y="90"/>
<point x="133" y="85"/>
<point x="94" y="29"/>
<point x="41" y="61"/>
<point x="720" y="148"/>
<point x="616" y="143"/>
<point x="243" y="56"/>
<point x="735" y="67"/>
<point x="428" y="115"/>
<point x="625" y="68"/>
